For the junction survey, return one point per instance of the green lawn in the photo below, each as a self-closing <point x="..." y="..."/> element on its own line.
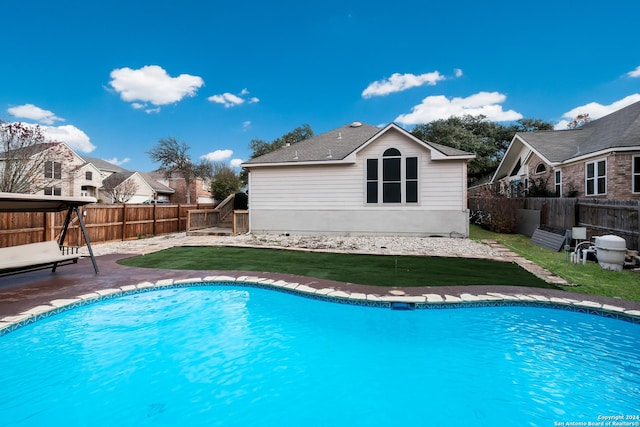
<point x="591" y="278"/>
<point x="381" y="270"/>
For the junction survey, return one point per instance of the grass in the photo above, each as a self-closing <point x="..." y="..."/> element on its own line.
<point x="591" y="278"/>
<point x="380" y="270"/>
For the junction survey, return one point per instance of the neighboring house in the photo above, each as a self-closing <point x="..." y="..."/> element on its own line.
<point x="200" y="189"/>
<point x="132" y="187"/>
<point x="360" y="180"/>
<point x="599" y="159"/>
<point x="52" y="168"/>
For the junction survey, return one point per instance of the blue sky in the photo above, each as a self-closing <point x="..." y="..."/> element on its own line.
<point x="111" y="78"/>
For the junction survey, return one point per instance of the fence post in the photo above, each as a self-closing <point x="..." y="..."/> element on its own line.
<point x="155" y="218"/>
<point x="124" y="221"/>
<point x="49" y="226"/>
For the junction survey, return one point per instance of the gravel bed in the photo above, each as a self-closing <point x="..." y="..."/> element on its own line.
<point x="434" y="246"/>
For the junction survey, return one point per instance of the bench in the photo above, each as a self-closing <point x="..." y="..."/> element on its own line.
<point x="36" y="256"/>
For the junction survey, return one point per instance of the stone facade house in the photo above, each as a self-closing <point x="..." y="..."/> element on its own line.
<point x="599" y="159"/>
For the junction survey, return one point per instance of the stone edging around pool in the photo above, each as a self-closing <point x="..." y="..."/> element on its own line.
<point x="402" y="302"/>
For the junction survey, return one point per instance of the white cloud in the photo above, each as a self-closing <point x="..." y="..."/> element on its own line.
<point x="400" y="82"/>
<point x="246" y="125"/>
<point x="230" y="100"/>
<point x="151" y="83"/>
<point x="596" y="110"/>
<point x="562" y="124"/>
<point x="70" y="135"/>
<point x="218" y="155"/>
<point x="236" y="162"/>
<point x="32" y="112"/>
<point x="118" y="162"/>
<point x="227" y="99"/>
<point x="457" y="72"/>
<point x="440" y="107"/>
<point x="634" y="73"/>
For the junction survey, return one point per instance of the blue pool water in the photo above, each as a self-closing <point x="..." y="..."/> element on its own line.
<point x="227" y="356"/>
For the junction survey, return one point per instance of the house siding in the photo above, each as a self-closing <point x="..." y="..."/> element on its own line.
<point x="330" y="199"/>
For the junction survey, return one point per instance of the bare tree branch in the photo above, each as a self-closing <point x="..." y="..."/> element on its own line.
<point x="174" y="158"/>
<point x="28" y="163"/>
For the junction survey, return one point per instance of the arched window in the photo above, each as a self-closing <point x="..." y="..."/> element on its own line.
<point x="399" y="183"/>
<point x="541" y="168"/>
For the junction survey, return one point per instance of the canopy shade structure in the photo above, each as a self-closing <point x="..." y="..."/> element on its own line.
<point x="14" y="202"/>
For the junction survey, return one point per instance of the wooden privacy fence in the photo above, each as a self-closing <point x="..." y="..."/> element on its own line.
<point x="207" y="218"/>
<point x="104" y="223"/>
<point x="599" y="216"/>
<point x="240" y="222"/>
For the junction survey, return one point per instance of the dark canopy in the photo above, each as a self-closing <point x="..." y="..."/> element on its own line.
<point x="14" y="202"/>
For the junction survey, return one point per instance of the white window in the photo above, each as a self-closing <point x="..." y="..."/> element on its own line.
<point x="393" y="177"/>
<point x="541" y="168"/>
<point x="558" y="183"/>
<point x="596" y="178"/>
<point x="53" y="170"/>
<point x="52" y="191"/>
<point x="635" y="174"/>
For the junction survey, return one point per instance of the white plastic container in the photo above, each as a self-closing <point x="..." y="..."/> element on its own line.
<point x="611" y="251"/>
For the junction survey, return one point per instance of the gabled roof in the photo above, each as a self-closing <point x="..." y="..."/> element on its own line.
<point x="113" y="180"/>
<point x="103" y="165"/>
<point x="619" y="130"/>
<point x="158" y="187"/>
<point x="338" y="144"/>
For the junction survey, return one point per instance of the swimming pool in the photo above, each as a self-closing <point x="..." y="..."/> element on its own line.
<point x="234" y="356"/>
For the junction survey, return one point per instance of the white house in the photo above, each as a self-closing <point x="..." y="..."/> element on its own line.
<point x="133" y="187"/>
<point x="360" y="180"/>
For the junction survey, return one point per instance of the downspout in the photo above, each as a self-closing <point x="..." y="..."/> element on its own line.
<point x="465" y="194"/>
<point x="249" y="192"/>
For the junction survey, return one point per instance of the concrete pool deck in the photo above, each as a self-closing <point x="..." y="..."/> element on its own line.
<point x="26" y="297"/>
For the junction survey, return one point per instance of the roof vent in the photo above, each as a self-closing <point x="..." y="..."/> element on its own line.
<point x="339" y="135"/>
<point x="355" y="124"/>
<point x="329" y="155"/>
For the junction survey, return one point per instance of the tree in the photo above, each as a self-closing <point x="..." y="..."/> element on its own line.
<point x="28" y="163"/>
<point x="261" y="147"/>
<point x="173" y="157"/>
<point x="578" y="121"/>
<point x="225" y="181"/>
<point x="487" y="140"/>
